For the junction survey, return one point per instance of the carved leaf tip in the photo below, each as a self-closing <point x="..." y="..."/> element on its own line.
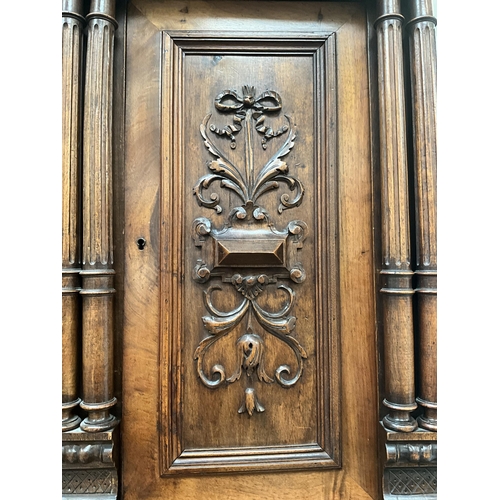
<point x="251" y="403"/>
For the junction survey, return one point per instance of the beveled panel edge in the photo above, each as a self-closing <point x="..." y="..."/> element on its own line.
<point x="326" y="251"/>
<point x="170" y="285"/>
<point x="185" y="36"/>
<point x="326" y="454"/>
<point x="195" y="42"/>
<point x="269" y="459"/>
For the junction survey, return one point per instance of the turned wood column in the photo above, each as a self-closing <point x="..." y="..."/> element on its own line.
<point x="422" y="43"/>
<point x="396" y="274"/>
<point x="98" y="274"/>
<point x="72" y="30"/>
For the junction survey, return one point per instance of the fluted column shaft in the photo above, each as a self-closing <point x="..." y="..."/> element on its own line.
<point x="72" y="33"/>
<point x="422" y="44"/>
<point x="396" y="274"/>
<point x="98" y="274"/>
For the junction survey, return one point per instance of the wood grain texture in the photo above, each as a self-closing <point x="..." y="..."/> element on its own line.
<point x="72" y="32"/>
<point x="396" y="274"/>
<point x="97" y="252"/>
<point x="357" y="290"/>
<point x="319" y="377"/>
<point x="140" y="422"/>
<point x="195" y="15"/>
<point x="422" y="43"/>
<point x="144" y="294"/>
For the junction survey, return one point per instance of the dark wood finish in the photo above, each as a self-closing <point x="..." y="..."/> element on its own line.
<point x="410" y="464"/>
<point x="171" y="418"/>
<point x="410" y="458"/>
<point x="89" y="465"/>
<point x="97" y="274"/>
<point x="72" y="34"/>
<point x="89" y="459"/>
<point x="417" y="482"/>
<point x="396" y="274"/>
<point x="422" y="42"/>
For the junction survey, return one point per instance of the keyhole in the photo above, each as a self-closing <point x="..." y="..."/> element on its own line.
<point x="141" y="243"/>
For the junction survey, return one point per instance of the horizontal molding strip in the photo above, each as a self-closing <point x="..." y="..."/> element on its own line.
<point x="248" y="459"/>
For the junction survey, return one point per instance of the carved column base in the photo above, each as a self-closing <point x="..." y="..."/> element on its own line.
<point x="410" y="466"/>
<point x="399" y="419"/>
<point x="428" y="420"/>
<point x="89" y="465"/>
<point x="70" y="421"/>
<point x="99" y="418"/>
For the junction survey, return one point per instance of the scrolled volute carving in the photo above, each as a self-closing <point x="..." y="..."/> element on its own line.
<point x="200" y="229"/>
<point x="201" y="272"/>
<point x="297" y="273"/>
<point x="298" y="230"/>
<point x="249" y="242"/>
<point x="242" y="182"/>
<point x="280" y="324"/>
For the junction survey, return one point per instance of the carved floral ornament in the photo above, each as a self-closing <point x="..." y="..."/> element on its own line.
<point x="248" y="251"/>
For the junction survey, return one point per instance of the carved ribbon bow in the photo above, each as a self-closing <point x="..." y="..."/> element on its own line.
<point x="267" y="102"/>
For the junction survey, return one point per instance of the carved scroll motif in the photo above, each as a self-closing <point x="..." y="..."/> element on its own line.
<point x="248" y="251"/>
<point x="248" y="188"/>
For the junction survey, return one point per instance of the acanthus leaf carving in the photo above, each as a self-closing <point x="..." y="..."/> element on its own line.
<point x="251" y="403"/>
<point x="274" y="172"/>
<point x="250" y="346"/>
<point x="251" y="358"/>
<point x="249" y="239"/>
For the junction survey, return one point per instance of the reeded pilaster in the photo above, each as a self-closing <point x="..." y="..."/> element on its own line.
<point x="422" y="44"/>
<point x="97" y="262"/>
<point x="72" y="34"/>
<point x="396" y="274"/>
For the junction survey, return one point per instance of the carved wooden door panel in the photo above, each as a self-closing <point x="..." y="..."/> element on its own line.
<point x="249" y="345"/>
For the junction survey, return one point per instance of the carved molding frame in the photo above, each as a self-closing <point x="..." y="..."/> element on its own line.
<point x="326" y="452"/>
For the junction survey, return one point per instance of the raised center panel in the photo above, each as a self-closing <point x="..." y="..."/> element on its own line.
<point x="249" y="190"/>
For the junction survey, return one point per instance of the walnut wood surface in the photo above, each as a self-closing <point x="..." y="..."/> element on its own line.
<point x="312" y="397"/>
<point x="97" y="252"/>
<point x="153" y="355"/>
<point x="339" y="377"/>
<point x="422" y="43"/>
<point x="396" y="275"/>
<point x="72" y="31"/>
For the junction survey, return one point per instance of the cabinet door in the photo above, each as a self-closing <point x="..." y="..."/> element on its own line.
<point x="249" y="329"/>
